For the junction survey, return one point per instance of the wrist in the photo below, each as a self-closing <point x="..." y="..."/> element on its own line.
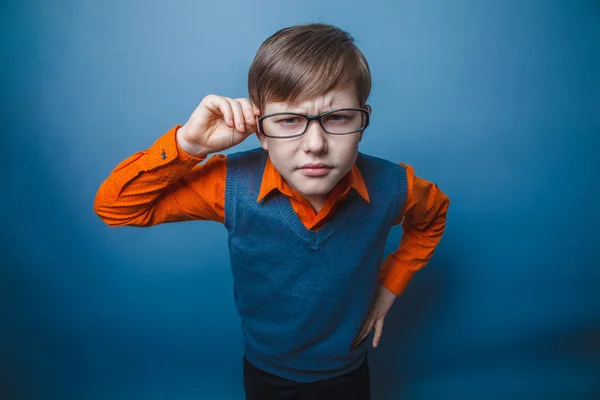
<point x="192" y="149"/>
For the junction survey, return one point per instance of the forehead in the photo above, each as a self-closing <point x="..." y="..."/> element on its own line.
<point x="337" y="98"/>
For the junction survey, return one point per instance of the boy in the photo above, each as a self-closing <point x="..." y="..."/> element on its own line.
<point x="307" y="214"/>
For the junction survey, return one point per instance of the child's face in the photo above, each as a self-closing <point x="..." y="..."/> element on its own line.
<point x="338" y="153"/>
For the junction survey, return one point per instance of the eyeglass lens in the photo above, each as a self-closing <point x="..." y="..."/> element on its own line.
<point x="340" y="122"/>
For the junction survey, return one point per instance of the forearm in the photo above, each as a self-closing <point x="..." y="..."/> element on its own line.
<point x="414" y="252"/>
<point x="423" y="223"/>
<point x="139" y="190"/>
<point x="194" y="149"/>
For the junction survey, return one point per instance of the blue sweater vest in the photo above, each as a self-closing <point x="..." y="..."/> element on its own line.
<point x="303" y="295"/>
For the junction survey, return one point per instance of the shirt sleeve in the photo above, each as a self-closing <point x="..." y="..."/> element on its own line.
<point x="163" y="184"/>
<point x="423" y="220"/>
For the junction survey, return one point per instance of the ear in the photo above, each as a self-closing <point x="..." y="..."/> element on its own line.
<point x="362" y="132"/>
<point x="262" y="140"/>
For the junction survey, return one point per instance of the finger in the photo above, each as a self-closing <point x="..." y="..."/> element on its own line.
<point x="248" y="110"/>
<point x="238" y="115"/>
<point x="378" y="332"/>
<point x="256" y="109"/>
<point x="221" y="107"/>
<point x="361" y="332"/>
<point x="364" y="332"/>
<point x="361" y="338"/>
<point x="357" y="341"/>
<point x="358" y="335"/>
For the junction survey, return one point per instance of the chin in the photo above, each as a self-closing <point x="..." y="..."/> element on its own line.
<point x="318" y="189"/>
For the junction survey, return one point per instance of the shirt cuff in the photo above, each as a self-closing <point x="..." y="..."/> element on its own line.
<point x="394" y="276"/>
<point x="165" y="151"/>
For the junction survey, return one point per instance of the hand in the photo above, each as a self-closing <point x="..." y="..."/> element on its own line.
<point x="217" y="124"/>
<point x="381" y="304"/>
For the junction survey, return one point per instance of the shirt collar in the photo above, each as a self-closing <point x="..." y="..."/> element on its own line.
<point x="272" y="180"/>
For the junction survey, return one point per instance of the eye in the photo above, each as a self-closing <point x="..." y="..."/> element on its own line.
<point x="289" y="121"/>
<point x="337" y="118"/>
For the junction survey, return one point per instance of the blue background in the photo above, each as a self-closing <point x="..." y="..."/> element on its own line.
<point x="497" y="102"/>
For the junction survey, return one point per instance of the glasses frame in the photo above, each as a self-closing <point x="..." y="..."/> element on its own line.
<point x="311" y="118"/>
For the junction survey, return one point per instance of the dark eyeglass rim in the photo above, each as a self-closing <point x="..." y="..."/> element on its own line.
<point x="310" y="118"/>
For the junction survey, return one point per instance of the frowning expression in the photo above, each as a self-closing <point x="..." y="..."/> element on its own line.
<point x="312" y="164"/>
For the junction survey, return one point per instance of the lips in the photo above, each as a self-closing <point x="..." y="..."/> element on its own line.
<point x="320" y="165"/>
<point x="312" y="169"/>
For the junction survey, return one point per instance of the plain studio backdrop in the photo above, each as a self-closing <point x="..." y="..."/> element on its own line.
<point x="498" y="102"/>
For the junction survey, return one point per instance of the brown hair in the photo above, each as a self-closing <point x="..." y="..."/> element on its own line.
<point x="307" y="60"/>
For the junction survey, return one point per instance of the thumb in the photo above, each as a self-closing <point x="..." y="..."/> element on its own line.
<point x="378" y="332"/>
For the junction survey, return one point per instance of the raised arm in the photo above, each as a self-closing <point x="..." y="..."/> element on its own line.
<point x="163" y="184"/>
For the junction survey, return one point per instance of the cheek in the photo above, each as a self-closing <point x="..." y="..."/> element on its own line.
<point x="346" y="149"/>
<point x="281" y="153"/>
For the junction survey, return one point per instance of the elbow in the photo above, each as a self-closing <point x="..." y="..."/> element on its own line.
<point x="102" y="206"/>
<point x="114" y="219"/>
<point x="447" y="200"/>
<point x="101" y="211"/>
<point x="107" y="212"/>
<point x="444" y="204"/>
<point x="115" y="212"/>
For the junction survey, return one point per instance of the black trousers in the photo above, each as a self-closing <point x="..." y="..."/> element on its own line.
<point x="262" y="385"/>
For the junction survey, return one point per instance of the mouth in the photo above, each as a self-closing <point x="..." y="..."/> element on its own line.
<point x="315" y="169"/>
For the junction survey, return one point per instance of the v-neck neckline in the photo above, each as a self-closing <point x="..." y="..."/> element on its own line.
<point x="316" y="238"/>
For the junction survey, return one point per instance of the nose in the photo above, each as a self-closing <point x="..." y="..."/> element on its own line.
<point x="315" y="138"/>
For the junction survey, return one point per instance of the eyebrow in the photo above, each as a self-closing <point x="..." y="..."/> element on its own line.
<point x="332" y="100"/>
<point x="329" y="107"/>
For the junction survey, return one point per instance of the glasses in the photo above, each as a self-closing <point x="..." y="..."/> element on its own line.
<point x="337" y="122"/>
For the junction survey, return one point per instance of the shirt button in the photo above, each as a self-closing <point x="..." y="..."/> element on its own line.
<point x="163" y="155"/>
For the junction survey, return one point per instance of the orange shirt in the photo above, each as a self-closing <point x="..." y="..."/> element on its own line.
<point x="165" y="184"/>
